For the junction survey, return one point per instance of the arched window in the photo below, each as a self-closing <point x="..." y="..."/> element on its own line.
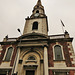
<point x="37" y="11"/>
<point x="58" y="52"/>
<point x="35" y="26"/>
<point x="31" y="58"/>
<point x="8" y="54"/>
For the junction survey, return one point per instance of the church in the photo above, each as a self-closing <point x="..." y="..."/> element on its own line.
<point x="35" y="52"/>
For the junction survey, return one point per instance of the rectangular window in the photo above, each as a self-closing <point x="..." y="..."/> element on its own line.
<point x="30" y="72"/>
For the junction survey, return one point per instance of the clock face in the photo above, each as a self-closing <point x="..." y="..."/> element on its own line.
<point x="36" y="15"/>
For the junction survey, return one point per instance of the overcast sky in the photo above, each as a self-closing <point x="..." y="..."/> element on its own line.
<point x="14" y="12"/>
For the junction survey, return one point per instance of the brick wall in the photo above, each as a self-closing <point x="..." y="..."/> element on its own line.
<point x="3" y="52"/>
<point x="66" y="54"/>
<point x="50" y="55"/>
<point x="71" y="72"/>
<point x="10" y="72"/>
<point x="50" y="72"/>
<point x="4" y="47"/>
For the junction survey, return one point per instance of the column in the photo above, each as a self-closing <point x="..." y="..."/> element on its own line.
<point x="45" y="61"/>
<point x="7" y="73"/>
<point x="16" y="61"/>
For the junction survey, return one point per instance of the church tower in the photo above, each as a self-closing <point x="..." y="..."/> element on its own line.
<point x="35" y="52"/>
<point x="37" y="22"/>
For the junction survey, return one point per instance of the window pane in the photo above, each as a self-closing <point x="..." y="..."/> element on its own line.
<point x="8" y="55"/>
<point x="31" y="58"/>
<point x="58" y="52"/>
<point x="35" y="26"/>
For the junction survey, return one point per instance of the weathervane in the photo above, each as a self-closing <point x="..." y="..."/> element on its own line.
<point x="62" y="25"/>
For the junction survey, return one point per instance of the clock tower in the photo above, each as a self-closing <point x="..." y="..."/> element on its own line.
<point x="37" y="22"/>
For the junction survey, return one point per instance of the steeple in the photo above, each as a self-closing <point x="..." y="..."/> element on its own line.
<point x="39" y="2"/>
<point x="37" y="22"/>
<point x="38" y="5"/>
<point x="38" y="10"/>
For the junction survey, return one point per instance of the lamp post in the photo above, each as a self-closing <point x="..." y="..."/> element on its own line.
<point x="19" y="31"/>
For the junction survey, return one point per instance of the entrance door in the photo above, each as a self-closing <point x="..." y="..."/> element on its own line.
<point x="30" y="72"/>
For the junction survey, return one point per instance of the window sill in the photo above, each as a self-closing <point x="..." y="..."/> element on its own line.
<point x="58" y="60"/>
<point x="34" y="29"/>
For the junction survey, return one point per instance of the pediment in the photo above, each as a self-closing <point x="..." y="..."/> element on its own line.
<point x="33" y="36"/>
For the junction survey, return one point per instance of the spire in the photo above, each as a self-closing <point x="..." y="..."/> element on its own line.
<point x="38" y="5"/>
<point x="38" y="9"/>
<point x="39" y="2"/>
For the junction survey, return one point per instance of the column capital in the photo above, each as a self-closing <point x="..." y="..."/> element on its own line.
<point x="45" y="46"/>
<point x="7" y="72"/>
<point x="14" y="74"/>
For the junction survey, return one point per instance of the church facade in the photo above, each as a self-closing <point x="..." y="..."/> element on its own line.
<point x="35" y="52"/>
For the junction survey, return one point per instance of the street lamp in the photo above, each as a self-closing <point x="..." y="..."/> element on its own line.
<point x="19" y="31"/>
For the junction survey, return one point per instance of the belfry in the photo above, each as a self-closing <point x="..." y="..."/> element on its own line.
<point x="35" y="52"/>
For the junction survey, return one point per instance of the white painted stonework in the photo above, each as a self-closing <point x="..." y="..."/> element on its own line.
<point x="71" y="51"/>
<point x="42" y="26"/>
<point x="24" y="55"/>
<point x="45" y="61"/>
<point x="59" y="64"/>
<point x="5" y="64"/>
<point x="65" y="68"/>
